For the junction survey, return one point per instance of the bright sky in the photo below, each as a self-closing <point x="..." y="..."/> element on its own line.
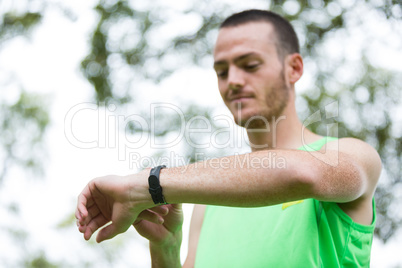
<point x="48" y="63"/>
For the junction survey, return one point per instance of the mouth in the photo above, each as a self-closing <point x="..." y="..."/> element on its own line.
<point x="237" y="99"/>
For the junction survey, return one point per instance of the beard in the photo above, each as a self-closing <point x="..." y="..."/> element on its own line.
<point x="276" y="101"/>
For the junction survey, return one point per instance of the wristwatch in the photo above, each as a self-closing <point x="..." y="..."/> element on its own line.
<point x="155" y="189"/>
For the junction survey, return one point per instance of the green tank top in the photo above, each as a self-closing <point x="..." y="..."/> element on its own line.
<point x="305" y="233"/>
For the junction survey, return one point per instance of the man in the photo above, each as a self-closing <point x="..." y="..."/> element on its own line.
<point x="315" y="211"/>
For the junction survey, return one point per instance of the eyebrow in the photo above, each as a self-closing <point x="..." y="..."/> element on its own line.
<point x="242" y="57"/>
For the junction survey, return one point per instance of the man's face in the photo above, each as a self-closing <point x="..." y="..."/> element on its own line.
<point x="250" y="74"/>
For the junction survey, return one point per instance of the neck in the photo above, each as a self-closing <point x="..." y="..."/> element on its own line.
<point x="285" y="132"/>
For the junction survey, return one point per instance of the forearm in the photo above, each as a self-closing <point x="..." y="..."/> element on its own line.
<point x="291" y="175"/>
<point x="165" y="256"/>
<point x="240" y="180"/>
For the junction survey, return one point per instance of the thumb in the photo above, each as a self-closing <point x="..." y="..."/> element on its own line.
<point x="177" y="208"/>
<point x="117" y="226"/>
<point x="108" y="232"/>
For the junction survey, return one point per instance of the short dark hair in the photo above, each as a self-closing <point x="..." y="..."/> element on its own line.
<point x="287" y="41"/>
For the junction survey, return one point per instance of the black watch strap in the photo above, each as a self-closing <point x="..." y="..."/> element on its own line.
<point x="155" y="189"/>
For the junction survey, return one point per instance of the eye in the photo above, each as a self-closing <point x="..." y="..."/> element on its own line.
<point x="251" y="67"/>
<point x="221" y="73"/>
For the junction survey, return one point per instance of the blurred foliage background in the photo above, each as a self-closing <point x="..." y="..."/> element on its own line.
<point x="148" y="41"/>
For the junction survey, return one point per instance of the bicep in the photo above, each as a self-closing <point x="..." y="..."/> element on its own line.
<point x="195" y="230"/>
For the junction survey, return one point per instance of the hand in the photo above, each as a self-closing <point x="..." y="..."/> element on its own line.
<point x="161" y="225"/>
<point x="111" y="198"/>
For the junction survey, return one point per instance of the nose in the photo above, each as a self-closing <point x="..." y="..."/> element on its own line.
<point x="235" y="78"/>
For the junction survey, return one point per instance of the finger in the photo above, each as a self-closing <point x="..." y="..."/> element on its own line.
<point x="94" y="225"/>
<point x="81" y="208"/>
<point x="162" y="210"/>
<point x="176" y="206"/>
<point x="93" y="212"/>
<point x="77" y="214"/>
<point x="81" y="228"/>
<point x="111" y="231"/>
<point x="83" y="198"/>
<point x="146" y="225"/>
<point x="106" y="233"/>
<point x="83" y="214"/>
<point x="149" y="216"/>
<point x="90" y="202"/>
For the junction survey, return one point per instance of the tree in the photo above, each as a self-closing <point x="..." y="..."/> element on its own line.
<point x="24" y="112"/>
<point x="24" y="120"/>
<point x="136" y="42"/>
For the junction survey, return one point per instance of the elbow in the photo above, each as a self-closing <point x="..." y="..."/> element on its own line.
<point x="342" y="183"/>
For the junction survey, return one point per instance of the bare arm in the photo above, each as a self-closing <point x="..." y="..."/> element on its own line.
<point x="341" y="176"/>
<point x="195" y="230"/>
<point x="346" y="174"/>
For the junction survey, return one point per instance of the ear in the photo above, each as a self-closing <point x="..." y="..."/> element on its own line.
<point x="294" y="63"/>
